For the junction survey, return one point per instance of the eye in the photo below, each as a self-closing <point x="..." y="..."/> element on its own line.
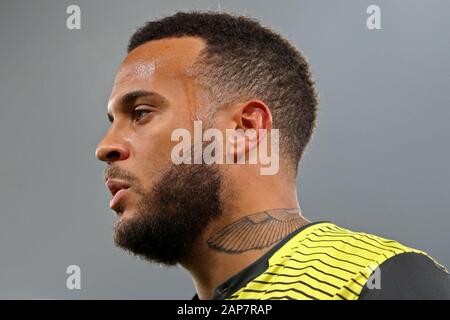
<point x="139" y="113"/>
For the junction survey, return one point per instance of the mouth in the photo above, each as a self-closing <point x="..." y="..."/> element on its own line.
<point x="118" y="190"/>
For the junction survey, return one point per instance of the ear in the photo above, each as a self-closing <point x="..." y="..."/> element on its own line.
<point x="252" y="121"/>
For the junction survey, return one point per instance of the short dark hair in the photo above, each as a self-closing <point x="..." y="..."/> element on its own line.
<point x="243" y="59"/>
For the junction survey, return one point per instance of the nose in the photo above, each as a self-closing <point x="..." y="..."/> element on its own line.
<point x="110" y="152"/>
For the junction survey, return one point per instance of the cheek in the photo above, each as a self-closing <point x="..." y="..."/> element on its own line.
<point x="151" y="157"/>
<point x="153" y="146"/>
<point x="152" y="153"/>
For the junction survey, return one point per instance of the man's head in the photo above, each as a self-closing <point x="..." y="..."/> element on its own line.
<point x="228" y="71"/>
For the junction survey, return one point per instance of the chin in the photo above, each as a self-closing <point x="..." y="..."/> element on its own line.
<point x="123" y="217"/>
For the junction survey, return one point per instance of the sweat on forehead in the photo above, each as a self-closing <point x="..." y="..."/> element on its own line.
<point x="170" y="55"/>
<point x="161" y="66"/>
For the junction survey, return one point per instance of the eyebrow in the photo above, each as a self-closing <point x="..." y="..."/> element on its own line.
<point x="130" y="97"/>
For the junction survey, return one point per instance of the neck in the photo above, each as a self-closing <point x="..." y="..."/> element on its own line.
<point x="238" y="239"/>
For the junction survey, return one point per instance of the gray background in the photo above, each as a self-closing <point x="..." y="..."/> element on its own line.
<point x="378" y="162"/>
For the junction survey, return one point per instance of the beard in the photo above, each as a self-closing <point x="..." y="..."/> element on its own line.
<point x="170" y="219"/>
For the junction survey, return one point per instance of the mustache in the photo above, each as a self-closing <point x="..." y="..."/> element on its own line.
<point x="112" y="172"/>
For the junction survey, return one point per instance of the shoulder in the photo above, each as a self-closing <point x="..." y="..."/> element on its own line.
<point x="404" y="272"/>
<point x="409" y="275"/>
<point x="397" y="271"/>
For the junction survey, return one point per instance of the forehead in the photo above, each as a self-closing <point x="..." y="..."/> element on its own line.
<point x="157" y="65"/>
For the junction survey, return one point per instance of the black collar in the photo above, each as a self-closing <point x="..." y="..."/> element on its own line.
<point x="249" y="273"/>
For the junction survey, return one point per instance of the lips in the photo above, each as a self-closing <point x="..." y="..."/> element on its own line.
<point x="118" y="189"/>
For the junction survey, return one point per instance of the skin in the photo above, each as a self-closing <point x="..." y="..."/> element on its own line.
<point x="140" y="142"/>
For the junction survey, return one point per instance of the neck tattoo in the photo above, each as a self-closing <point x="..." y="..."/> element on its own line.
<point x="256" y="231"/>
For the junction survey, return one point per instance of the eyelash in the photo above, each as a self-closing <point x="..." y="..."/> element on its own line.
<point x="136" y="113"/>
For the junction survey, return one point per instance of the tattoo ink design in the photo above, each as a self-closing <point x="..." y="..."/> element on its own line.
<point x="256" y="231"/>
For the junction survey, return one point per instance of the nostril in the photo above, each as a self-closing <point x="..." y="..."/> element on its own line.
<point x="112" y="155"/>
